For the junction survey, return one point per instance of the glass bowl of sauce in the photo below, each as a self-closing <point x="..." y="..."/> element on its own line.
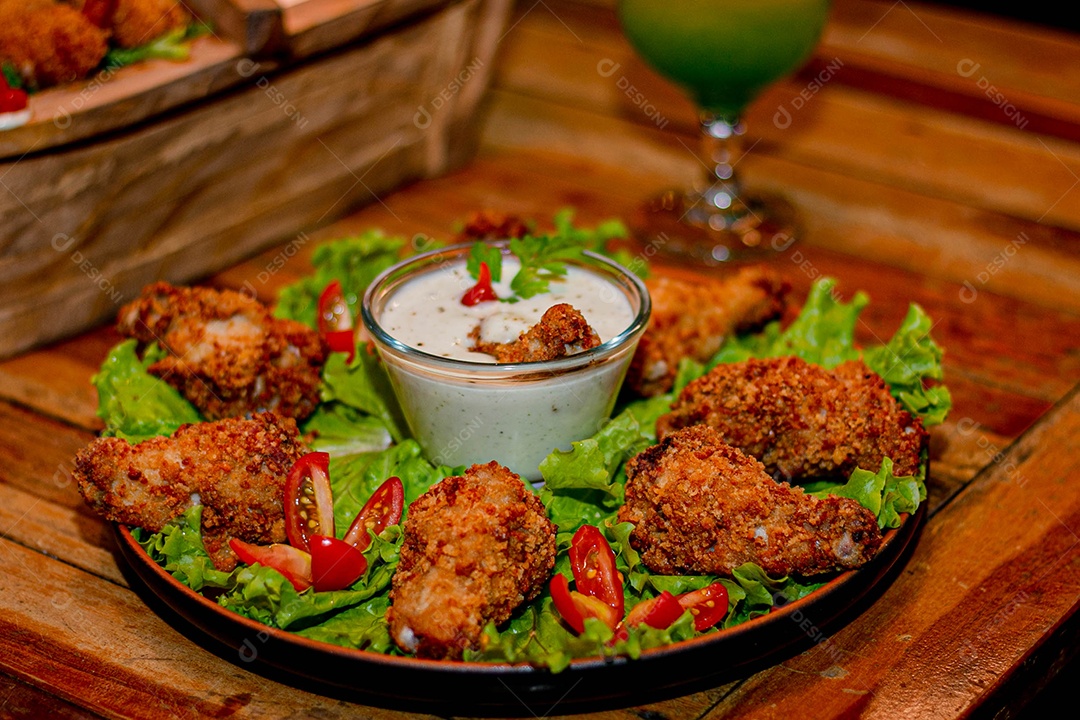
<point x="461" y="405"/>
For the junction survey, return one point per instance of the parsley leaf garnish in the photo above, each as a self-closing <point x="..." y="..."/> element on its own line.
<point x="543" y="258"/>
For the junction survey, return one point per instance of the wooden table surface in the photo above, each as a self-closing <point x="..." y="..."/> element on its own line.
<point x="935" y="158"/>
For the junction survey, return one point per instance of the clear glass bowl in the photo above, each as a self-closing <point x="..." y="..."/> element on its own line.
<point x="463" y="412"/>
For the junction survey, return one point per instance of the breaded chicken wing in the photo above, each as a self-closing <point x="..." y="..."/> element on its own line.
<point x="227" y="354"/>
<point x="137" y="22"/>
<point x="692" y="319"/>
<point x="801" y="420"/>
<point x="476" y="547"/>
<point x="702" y="507"/>
<point x="562" y="331"/>
<point x="234" y="468"/>
<point x="48" y="43"/>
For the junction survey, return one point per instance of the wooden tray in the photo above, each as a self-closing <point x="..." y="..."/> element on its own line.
<point x="176" y="170"/>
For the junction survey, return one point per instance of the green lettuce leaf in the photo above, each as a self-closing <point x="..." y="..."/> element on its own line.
<point x="178" y="548"/>
<point x="886" y="495"/>
<point x="364" y="385"/>
<point x="341" y="429"/>
<point x="824" y="334"/>
<point x="353" y="261"/>
<point x="134" y="404"/>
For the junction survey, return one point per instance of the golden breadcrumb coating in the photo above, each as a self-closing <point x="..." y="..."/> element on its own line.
<point x="234" y="468"/>
<point x="801" y="420"/>
<point x="476" y="547"/>
<point x="562" y="331"/>
<point x="48" y="43"/>
<point x="693" y="318"/>
<point x="491" y="225"/>
<point x="227" y="354"/>
<point x="137" y="22"/>
<point x="702" y="507"/>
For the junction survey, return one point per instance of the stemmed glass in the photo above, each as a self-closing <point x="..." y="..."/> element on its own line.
<point x="723" y="53"/>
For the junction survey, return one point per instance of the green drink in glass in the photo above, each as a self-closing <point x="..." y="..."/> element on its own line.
<point x="723" y="53"/>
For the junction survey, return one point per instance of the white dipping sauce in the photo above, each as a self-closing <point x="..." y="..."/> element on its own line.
<point x="426" y="312"/>
<point x="477" y="411"/>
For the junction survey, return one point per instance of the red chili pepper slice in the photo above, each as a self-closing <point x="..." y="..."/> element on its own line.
<point x="482" y="291"/>
<point x="335" y="320"/>
<point x="293" y="563"/>
<point x="309" y="502"/>
<point x="335" y="565"/>
<point x="382" y="510"/>
<point x="708" y="605"/>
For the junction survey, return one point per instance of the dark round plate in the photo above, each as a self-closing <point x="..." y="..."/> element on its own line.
<point x="489" y="689"/>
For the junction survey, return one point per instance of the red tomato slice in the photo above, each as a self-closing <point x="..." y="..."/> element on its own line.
<point x="482" y="291"/>
<point x="291" y="562"/>
<point x="593" y="563"/>
<point x="335" y="320"/>
<point x="659" y="612"/>
<point x="335" y="565"/>
<point x="575" y="607"/>
<point x="382" y="510"/>
<point x="11" y="99"/>
<point x="708" y="605"/>
<point x="309" y="502"/>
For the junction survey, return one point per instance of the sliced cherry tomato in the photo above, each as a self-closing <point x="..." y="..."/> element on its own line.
<point x="382" y="510"/>
<point x="482" y="291"/>
<point x="293" y="563"/>
<point x="659" y="612"/>
<point x="335" y="565"/>
<point x="335" y="320"/>
<point x="708" y="605"/>
<point x="593" y="564"/>
<point x="575" y="607"/>
<point x="309" y="502"/>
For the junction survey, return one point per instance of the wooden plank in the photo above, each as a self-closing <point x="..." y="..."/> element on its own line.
<point x="19" y="700"/>
<point x="72" y="534"/>
<point x="94" y="644"/>
<point x="985" y="249"/>
<point x="814" y="118"/>
<point x="312" y="26"/>
<point x="37" y="455"/>
<point x="192" y="194"/>
<point x="254" y="25"/>
<point x="116" y="99"/>
<point x="994" y="574"/>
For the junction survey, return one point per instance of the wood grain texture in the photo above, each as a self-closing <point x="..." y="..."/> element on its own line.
<point x="193" y="193"/>
<point x="915" y="186"/>
<point x="991" y="573"/>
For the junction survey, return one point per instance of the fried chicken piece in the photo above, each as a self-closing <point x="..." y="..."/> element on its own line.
<point x="692" y="319"/>
<point x="234" y="468"/>
<point x="48" y="43"/>
<point x="227" y="354"/>
<point x="491" y="225"/>
<point x="562" y="331"/>
<point x="138" y="22"/>
<point x="476" y="547"/>
<point x="702" y="507"/>
<point x="801" y="420"/>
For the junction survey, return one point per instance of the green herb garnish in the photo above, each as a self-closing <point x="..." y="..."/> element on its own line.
<point x="543" y="258"/>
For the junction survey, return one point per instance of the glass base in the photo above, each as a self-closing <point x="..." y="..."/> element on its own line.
<point x="690" y="228"/>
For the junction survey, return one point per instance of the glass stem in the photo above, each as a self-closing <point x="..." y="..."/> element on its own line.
<point x="722" y="137"/>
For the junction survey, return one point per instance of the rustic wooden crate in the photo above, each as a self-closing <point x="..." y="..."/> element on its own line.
<point x="174" y="172"/>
